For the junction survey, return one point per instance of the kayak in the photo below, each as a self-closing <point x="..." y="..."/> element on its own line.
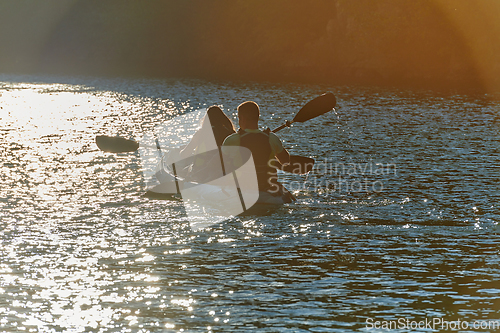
<point x="204" y="191"/>
<point x="210" y="197"/>
<point x="222" y="192"/>
<point x="234" y="191"/>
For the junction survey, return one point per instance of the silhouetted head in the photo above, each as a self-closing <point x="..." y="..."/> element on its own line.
<point x="248" y="115"/>
<point x="219" y="123"/>
<point x="217" y="118"/>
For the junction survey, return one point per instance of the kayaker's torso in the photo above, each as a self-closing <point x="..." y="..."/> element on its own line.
<point x="264" y="147"/>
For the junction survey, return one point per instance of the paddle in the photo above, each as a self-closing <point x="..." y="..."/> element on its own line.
<point x="298" y="164"/>
<point x="314" y="108"/>
<point x="114" y="144"/>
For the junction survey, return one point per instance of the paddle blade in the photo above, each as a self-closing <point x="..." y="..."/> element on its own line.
<point x="116" y="144"/>
<point x="316" y="107"/>
<point x="298" y="165"/>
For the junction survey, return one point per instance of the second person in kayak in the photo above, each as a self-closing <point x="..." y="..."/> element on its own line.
<point x="264" y="146"/>
<point x="215" y="128"/>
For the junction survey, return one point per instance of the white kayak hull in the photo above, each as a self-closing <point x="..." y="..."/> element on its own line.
<point x="171" y="188"/>
<point x="168" y="190"/>
<point x="222" y="193"/>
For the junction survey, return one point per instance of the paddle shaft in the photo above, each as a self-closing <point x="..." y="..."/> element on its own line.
<point x="314" y="108"/>
<point x="286" y="124"/>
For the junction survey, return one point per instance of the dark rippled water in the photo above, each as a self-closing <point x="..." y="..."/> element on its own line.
<point x="399" y="220"/>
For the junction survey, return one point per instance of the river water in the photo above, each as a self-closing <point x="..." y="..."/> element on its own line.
<point x="398" y="222"/>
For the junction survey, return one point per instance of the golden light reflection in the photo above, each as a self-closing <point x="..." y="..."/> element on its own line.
<point x="478" y="25"/>
<point x="36" y="115"/>
<point x="186" y="303"/>
<point x="77" y="280"/>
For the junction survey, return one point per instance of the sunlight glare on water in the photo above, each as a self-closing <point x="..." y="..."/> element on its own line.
<point x="48" y="159"/>
<point x="83" y="250"/>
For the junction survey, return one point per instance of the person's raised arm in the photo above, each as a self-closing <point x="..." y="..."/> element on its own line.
<point x="279" y="151"/>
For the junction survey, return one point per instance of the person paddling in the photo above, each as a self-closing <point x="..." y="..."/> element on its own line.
<point x="265" y="146"/>
<point x="214" y="125"/>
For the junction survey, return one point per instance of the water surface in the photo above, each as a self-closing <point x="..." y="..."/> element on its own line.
<point x="398" y="220"/>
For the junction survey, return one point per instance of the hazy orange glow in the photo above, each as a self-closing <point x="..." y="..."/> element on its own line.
<point x="426" y="43"/>
<point x="478" y="24"/>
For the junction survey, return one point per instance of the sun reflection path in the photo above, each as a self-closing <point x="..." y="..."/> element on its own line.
<point x="65" y="264"/>
<point x="61" y="287"/>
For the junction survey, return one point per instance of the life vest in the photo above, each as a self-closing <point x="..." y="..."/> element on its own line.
<point x="262" y="153"/>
